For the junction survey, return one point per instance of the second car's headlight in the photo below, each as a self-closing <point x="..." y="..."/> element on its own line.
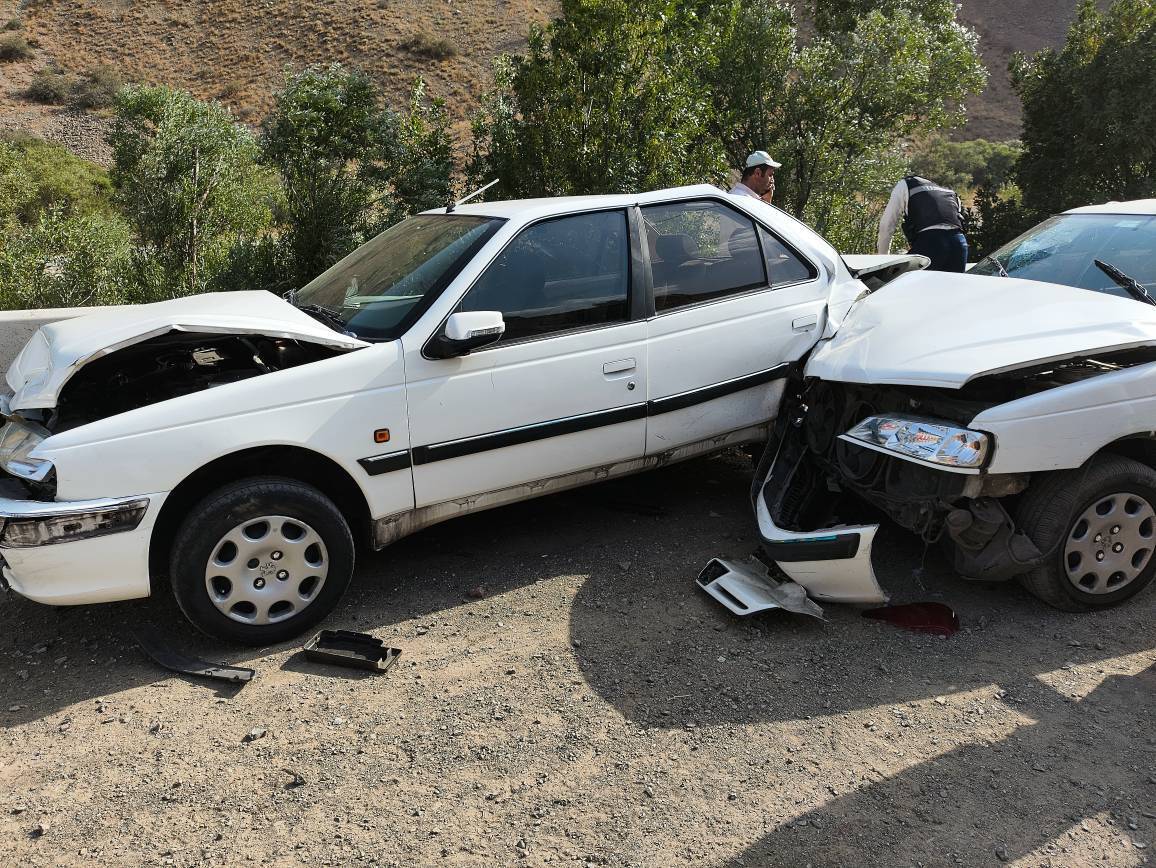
<point x="924" y="439"/>
<point x="17" y="439"/>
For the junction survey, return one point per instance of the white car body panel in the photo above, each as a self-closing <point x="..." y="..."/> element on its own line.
<point x="1063" y="427"/>
<point x="59" y="349"/>
<point x="940" y="329"/>
<point x="841" y="580"/>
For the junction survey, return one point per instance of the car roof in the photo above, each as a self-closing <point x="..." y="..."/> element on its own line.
<point x="533" y="208"/>
<point x="1137" y="207"/>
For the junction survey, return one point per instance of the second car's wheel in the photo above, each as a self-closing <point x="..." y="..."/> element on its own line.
<point x="261" y="560"/>
<point x="1097" y="527"/>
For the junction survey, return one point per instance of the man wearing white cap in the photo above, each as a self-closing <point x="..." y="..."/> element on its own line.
<point x="758" y="177"/>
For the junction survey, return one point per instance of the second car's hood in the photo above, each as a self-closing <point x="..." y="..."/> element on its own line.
<point x="59" y="349"/>
<point x="933" y="328"/>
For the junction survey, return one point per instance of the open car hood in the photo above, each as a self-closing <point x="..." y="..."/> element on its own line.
<point x="933" y="328"/>
<point x="59" y="349"/>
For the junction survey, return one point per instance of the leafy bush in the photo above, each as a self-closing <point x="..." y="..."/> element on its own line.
<point x="188" y="181"/>
<point x="97" y="88"/>
<point x="13" y="24"/>
<point x="53" y="177"/>
<point x="968" y="165"/>
<point x="13" y="46"/>
<point x="51" y="86"/>
<point x="433" y="47"/>
<point x="65" y="261"/>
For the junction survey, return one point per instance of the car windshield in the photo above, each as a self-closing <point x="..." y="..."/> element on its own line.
<point x="1063" y="249"/>
<point x="384" y="285"/>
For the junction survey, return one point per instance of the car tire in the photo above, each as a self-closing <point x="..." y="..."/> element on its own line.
<point x="261" y="560"/>
<point x="1097" y="529"/>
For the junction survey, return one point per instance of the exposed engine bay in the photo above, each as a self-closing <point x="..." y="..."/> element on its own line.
<point x="177" y="363"/>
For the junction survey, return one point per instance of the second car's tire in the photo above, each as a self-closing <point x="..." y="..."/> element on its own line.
<point x="261" y="560"/>
<point x="1097" y="528"/>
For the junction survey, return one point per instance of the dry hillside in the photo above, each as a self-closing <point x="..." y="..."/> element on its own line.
<point x="237" y="50"/>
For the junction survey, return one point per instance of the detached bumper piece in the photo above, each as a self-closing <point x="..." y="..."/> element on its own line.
<point x="832" y="564"/>
<point x="355" y="650"/>
<point x="748" y="588"/>
<point x="174" y="662"/>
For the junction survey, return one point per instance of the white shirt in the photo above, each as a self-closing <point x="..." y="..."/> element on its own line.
<point x="893" y="215"/>
<point x="741" y="189"/>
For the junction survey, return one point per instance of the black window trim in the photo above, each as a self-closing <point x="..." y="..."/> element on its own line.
<point x="740" y="291"/>
<point x="632" y="286"/>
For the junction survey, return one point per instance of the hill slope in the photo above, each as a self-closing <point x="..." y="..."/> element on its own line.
<point x="237" y="50"/>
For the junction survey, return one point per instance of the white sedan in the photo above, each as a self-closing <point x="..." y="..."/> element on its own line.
<point x="242" y="446"/>
<point x="1009" y="413"/>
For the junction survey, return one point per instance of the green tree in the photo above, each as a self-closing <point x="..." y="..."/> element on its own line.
<point x="968" y="165"/>
<point x="56" y="177"/>
<point x="1090" y="111"/>
<point x="416" y="157"/>
<point x="63" y="260"/>
<point x="321" y="137"/>
<point x="844" y="97"/>
<point x="607" y="98"/>
<point x="187" y="179"/>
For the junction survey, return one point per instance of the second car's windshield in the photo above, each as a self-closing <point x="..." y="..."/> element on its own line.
<point x="379" y="288"/>
<point x="1063" y="249"/>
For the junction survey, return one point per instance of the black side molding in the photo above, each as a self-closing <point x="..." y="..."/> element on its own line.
<point x="375" y="465"/>
<point x="836" y="547"/>
<point x="526" y="434"/>
<point x="708" y="393"/>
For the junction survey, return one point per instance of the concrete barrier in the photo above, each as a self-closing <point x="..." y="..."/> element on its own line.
<point x="17" y="326"/>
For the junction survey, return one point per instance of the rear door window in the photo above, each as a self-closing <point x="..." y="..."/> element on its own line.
<point x="701" y="251"/>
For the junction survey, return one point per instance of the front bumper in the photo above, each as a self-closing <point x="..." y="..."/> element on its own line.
<point x="98" y="569"/>
<point x="833" y="564"/>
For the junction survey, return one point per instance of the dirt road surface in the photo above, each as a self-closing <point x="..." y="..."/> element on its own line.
<point x="593" y="708"/>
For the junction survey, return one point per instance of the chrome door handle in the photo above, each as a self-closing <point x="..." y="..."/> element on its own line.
<point x="803" y="323"/>
<point x="619" y="366"/>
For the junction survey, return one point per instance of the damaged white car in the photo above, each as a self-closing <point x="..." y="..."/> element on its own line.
<point x="1010" y="418"/>
<point x="239" y="445"/>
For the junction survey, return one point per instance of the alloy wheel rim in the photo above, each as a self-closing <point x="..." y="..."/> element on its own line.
<point x="266" y="570"/>
<point x="1110" y="543"/>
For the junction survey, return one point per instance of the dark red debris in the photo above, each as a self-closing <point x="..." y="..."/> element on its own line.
<point x="922" y="617"/>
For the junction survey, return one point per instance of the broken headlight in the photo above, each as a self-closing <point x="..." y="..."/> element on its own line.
<point x="27" y="531"/>
<point x="924" y="440"/>
<point x="17" y="439"/>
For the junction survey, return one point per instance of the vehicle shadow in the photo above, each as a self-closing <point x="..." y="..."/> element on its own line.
<point x="1033" y="791"/>
<point x="52" y="658"/>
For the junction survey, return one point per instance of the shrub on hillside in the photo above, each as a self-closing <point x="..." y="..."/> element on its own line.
<point x="51" y="86"/>
<point x="13" y="24"/>
<point x="433" y="47"/>
<point x="53" y="177"/>
<point x="97" y="88"/>
<point x="13" y="46"/>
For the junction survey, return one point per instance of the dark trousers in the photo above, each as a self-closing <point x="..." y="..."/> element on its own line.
<point x="946" y="249"/>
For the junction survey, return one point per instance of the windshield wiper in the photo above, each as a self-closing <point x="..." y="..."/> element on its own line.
<point x="999" y="265"/>
<point x="326" y="316"/>
<point x="1131" y="284"/>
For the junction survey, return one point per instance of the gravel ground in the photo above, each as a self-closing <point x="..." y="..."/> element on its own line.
<point x="591" y="708"/>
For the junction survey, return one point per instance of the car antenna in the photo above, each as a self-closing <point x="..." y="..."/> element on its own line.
<point x="450" y="207"/>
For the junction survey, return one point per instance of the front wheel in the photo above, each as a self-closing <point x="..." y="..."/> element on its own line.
<point x="261" y="560"/>
<point x="1097" y="528"/>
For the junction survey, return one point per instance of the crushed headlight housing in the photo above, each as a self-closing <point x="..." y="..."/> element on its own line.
<point x="17" y="439"/>
<point x="924" y="439"/>
<point x="38" y="530"/>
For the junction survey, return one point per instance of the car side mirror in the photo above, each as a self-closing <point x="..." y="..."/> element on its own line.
<point x="466" y="331"/>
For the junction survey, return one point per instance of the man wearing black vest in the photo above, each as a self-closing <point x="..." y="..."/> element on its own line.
<point x="932" y="223"/>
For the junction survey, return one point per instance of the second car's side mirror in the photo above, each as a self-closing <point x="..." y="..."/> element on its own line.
<point x="466" y="331"/>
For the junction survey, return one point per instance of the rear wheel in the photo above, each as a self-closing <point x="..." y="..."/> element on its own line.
<point x="1097" y="526"/>
<point x="261" y="560"/>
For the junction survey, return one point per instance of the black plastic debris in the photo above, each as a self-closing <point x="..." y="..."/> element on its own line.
<point x="935" y="618"/>
<point x="348" y="648"/>
<point x="174" y="662"/>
